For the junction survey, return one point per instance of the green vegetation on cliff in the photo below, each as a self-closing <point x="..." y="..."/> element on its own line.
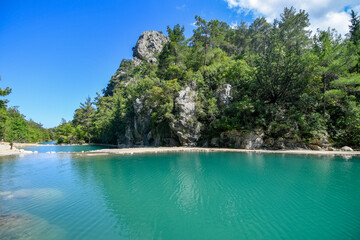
<point x="278" y="80"/>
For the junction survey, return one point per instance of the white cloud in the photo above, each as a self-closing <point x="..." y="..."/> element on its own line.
<point x="340" y="21"/>
<point x="322" y="13"/>
<point x="182" y="7"/>
<point x="193" y="24"/>
<point x="234" y="25"/>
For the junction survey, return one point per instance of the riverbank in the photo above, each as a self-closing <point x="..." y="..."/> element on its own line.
<point x="149" y="150"/>
<point x="6" y="151"/>
<point x="21" y="145"/>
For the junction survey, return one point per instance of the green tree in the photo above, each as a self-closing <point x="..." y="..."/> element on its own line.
<point x="16" y="129"/>
<point x="354" y="27"/>
<point x="171" y="58"/>
<point x="355" y="38"/>
<point x="84" y="116"/>
<point x="281" y="73"/>
<point x="333" y="57"/>
<point x="4" y="92"/>
<point x="207" y="36"/>
<point x="119" y="116"/>
<point x="65" y="132"/>
<point x="259" y="32"/>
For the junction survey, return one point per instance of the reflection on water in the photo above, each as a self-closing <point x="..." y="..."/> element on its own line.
<point x="180" y="196"/>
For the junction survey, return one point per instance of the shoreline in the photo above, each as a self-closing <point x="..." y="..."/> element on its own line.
<point x="21" y="145"/>
<point x="6" y="151"/>
<point x="156" y="150"/>
<point x="150" y="150"/>
<point x="14" y="152"/>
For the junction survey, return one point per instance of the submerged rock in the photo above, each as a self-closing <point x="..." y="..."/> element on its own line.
<point x="22" y="225"/>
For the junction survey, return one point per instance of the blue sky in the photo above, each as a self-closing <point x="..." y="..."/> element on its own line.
<point x="54" y="54"/>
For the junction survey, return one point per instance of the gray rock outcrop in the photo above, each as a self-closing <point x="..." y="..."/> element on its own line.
<point x="320" y="142"/>
<point x="223" y="94"/>
<point x="245" y="140"/>
<point x="142" y="123"/>
<point x="148" y="45"/>
<point x="185" y="126"/>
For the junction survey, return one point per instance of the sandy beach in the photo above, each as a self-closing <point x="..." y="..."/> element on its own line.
<point x="5" y="150"/>
<point x="148" y="150"/>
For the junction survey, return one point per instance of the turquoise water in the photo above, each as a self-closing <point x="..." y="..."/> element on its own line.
<point x="179" y="196"/>
<point x="65" y="148"/>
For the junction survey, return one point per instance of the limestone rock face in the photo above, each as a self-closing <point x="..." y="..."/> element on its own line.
<point x="321" y="141"/>
<point x="245" y="140"/>
<point x="258" y="139"/>
<point x="140" y="132"/>
<point x="215" y="142"/>
<point x="148" y="45"/>
<point x="223" y="94"/>
<point x="185" y="126"/>
<point x="142" y="122"/>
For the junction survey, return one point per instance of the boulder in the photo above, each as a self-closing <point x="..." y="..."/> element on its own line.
<point x="347" y="149"/>
<point x="322" y="140"/>
<point x="314" y="147"/>
<point x="288" y="140"/>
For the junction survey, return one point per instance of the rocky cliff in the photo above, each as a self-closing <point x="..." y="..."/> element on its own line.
<point x="184" y="128"/>
<point x="149" y="44"/>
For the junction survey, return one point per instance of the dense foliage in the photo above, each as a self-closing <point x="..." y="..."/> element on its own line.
<point x="283" y="77"/>
<point x="15" y="128"/>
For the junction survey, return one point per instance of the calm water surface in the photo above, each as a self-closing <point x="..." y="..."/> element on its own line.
<point x="50" y="147"/>
<point x="179" y="196"/>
